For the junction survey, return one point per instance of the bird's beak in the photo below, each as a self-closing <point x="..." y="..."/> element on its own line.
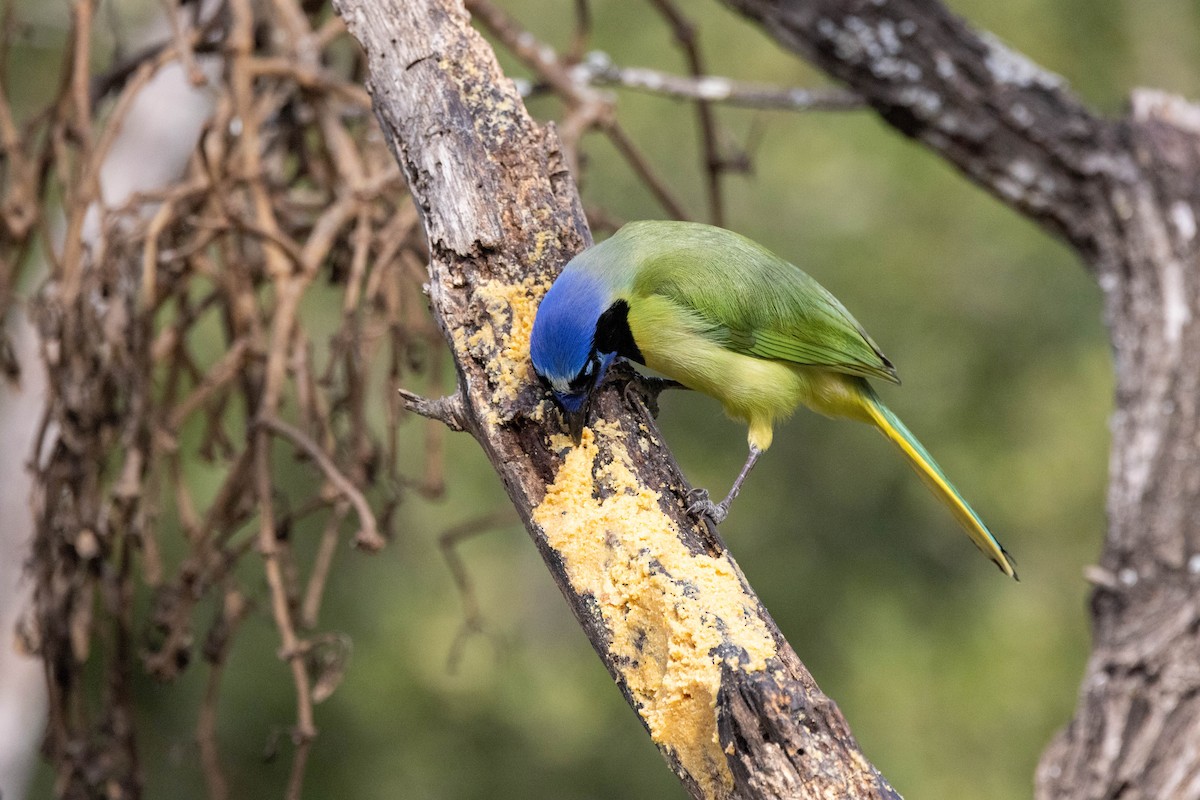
<point x="574" y="408"/>
<point x="575" y="422"/>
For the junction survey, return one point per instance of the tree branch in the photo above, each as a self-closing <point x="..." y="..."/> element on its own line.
<point x="685" y="37"/>
<point x="587" y="107"/>
<point x="597" y="69"/>
<point x="368" y="536"/>
<point x="666" y="607"/>
<point x="447" y="410"/>
<point x="1013" y="127"/>
<point x="1126" y="194"/>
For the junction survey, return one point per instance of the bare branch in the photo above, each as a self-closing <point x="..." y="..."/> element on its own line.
<point x="1010" y="125"/>
<point x="448" y="542"/>
<point x="587" y="108"/>
<point x="322" y="565"/>
<point x="368" y="536"/>
<point x="234" y="608"/>
<point x="685" y="36"/>
<point x="597" y="69"/>
<point x="448" y="410"/>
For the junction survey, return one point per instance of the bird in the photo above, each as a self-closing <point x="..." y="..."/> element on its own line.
<point x="721" y="314"/>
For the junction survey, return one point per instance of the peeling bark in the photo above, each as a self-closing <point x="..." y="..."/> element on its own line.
<point x="1011" y="126"/>
<point x="22" y="688"/>
<point x="730" y="706"/>
<point x="1125" y="194"/>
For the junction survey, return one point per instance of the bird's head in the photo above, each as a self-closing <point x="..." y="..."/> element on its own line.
<point x="563" y="344"/>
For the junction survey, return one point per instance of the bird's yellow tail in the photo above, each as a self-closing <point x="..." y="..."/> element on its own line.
<point x="933" y="477"/>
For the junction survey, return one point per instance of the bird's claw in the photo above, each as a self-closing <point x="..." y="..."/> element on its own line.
<point x="647" y="389"/>
<point x="655" y="386"/>
<point x="701" y="506"/>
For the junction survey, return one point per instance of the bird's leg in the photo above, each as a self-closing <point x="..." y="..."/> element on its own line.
<point x="701" y="506"/>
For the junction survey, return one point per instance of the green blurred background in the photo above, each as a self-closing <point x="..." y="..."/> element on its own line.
<point x="952" y="677"/>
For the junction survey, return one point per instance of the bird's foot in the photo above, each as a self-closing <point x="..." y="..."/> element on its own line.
<point x="648" y="389"/>
<point x="653" y="387"/>
<point x="701" y="506"/>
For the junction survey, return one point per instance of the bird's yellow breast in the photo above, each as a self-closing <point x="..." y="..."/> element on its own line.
<point x="681" y="345"/>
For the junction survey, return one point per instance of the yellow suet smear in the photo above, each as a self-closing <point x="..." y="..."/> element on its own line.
<point x="667" y="608"/>
<point x="511" y="307"/>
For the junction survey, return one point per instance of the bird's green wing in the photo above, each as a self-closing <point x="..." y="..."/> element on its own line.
<point x="755" y="303"/>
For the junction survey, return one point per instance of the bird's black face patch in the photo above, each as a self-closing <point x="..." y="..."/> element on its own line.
<point x="613" y="334"/>
<point x="612" y="338"/>
<point x="586" y="379"/>
<point x="573" y="396"/>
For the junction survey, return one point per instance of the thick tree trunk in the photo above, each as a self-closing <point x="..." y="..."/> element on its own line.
<point x="22" y="684"/>
<point x="1126" y="194"/>
<point x="721" y="693"/>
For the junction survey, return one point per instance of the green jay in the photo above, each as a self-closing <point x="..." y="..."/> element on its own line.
<point x="721" y="314"/>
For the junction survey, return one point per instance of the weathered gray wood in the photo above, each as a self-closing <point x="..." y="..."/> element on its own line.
<point x="719" y="690"/>
<point x="1126" y="194"/>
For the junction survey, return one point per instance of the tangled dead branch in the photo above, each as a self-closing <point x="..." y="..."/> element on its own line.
<point x="260" y="307"/>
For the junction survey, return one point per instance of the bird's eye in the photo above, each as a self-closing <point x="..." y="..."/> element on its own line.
<point x="586" y="375"/>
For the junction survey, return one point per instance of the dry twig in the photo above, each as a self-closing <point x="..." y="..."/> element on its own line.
<point x="598" y="69"/>
<point x="448" y="542"/>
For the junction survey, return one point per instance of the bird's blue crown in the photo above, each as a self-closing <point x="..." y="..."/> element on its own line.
<point x="564" y="329"/>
